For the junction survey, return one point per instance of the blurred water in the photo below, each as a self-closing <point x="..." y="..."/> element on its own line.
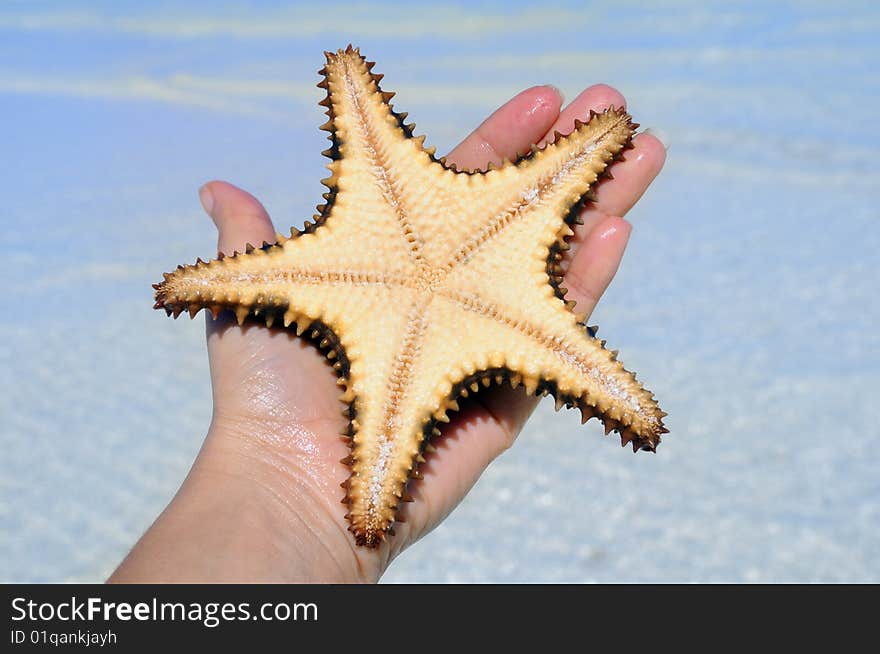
<point x="746" y="300"/>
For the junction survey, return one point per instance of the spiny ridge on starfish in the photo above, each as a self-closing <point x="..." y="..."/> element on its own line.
<point x="425" y="284"/>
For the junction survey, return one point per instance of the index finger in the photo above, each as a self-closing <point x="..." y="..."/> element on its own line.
<point x="509" y="131"/>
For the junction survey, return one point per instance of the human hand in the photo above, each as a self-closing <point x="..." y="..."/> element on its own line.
<point x="262" y="501"/>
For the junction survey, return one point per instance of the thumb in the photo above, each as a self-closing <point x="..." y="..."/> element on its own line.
<point x="238" y="215"/>
<point x="240" y="219"/>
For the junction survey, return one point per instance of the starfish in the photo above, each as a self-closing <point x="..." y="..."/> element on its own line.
<point x="425" y="284"/>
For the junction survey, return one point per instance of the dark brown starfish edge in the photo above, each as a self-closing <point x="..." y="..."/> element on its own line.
<point x="270" y="311"/>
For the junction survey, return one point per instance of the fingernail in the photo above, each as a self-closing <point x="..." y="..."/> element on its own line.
<point x="558" y="92"/>
<point x="206" y="198"/>
<point x="542" y="103"/>
<point x="659" y="134"/>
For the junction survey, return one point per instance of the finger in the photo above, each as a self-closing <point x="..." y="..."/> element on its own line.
<point x="632" y="177"/>
<point x="593" y="265"/>
<point x="615" y="197"/>
<point x="240" y="219"/>
<point x="238" y="215"/>
<point x="510" y="130"/>
<point x="596" y="98"/>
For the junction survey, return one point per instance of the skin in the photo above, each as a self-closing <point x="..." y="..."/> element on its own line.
<point x="262" y="500"/>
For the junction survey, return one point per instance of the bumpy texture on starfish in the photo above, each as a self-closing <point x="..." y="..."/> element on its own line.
<point x="425" y="282"/>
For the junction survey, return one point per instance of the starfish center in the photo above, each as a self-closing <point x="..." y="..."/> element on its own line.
<point x="431" y="279"/>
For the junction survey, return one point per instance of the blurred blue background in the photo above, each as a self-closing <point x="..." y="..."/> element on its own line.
<point x="747" y="299"/>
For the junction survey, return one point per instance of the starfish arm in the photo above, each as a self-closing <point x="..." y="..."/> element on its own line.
<point x="541" y="190"/>
<point x="380" y="172"/>
<point x="545" y="348"/>
<point x="388" y="423"/>
<point x="286" y="282"/>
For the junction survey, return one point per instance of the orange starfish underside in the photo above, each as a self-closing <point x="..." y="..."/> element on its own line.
<point x="426" y="283"/>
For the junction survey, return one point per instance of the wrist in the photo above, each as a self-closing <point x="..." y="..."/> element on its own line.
<point x="249" y="512"/>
